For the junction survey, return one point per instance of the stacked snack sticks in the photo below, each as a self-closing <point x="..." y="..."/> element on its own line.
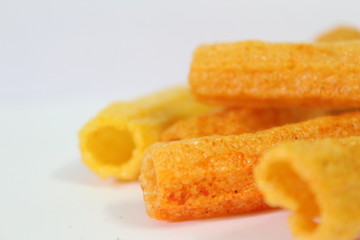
<point x="197" y="150"/>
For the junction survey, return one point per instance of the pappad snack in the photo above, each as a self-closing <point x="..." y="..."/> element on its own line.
<point x="234" y="121"/>
<point x="230" y="121"/>
<point x="262" y="74"/>
<point x="213" y="176"/>
<point x="112" y="143"/>
<point x="319" y="181"/>
<point x="341" y="33"/>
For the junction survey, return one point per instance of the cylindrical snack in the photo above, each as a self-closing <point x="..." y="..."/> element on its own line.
<point x="112" y="143"/>
<point x="234" y="121"/>
<point x="261" y="74"/>
<point x="319" y="181"/>
<point x="341" y="33"/>
<point x="213" y="176"/>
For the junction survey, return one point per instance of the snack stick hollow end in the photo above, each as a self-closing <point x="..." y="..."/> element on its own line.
<point x="319" y="181"/>
<point x="212" y="176"/>
<point x="112" y="143"/>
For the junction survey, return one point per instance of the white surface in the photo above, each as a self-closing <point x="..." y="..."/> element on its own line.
<point x="62" y="61"/>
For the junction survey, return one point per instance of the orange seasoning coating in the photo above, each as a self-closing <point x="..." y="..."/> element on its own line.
<point x="213" y="176"/>
<point x="261" y="74"/>
<point x="234" y="121"/>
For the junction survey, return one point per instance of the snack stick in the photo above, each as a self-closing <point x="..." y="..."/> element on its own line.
<point x="234" y="121"/>
<point x="112" y="143"/>
<point x="212" y="176"/>
<point x="341" y="33"/>
<point x="260" y="74"/>
<point x="319" y="181"/>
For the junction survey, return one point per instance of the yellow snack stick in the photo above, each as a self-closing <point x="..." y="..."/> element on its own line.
<point x="261" y="74"/>
<point x="340" y="33"/>
<point x="112" y="143"/>
<point x="213" y="176"/>
<point x="319" y="181"/>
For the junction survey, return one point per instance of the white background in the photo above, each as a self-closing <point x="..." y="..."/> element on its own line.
<point x="62" y="61"/>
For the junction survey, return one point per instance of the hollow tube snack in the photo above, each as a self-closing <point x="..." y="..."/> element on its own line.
<point x="234" y="121"/>
<point x="212" y="176"/>
<point x="319" y="181"/>
<point x="261" y="74"/>
<point x="112" y="143"/>
<point x="340" y="33"/>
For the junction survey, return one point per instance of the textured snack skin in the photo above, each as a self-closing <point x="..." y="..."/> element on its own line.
<point x="316" y="180"/>
<point x="261" y="74"/>
<point x="112" y="143"/>
<point x="235" y="121"/>
<point x="341" y="33"/>
<point x="212" y="176"/>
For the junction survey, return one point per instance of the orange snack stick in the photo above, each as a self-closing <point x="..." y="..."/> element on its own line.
<point x="213" y="176"/>
<point x="319" y="181"/>
<point x="234" y="121"/>
<point x="260" y="74"/>
<point x="112" y="144"/>
<point x="341" y="33"/>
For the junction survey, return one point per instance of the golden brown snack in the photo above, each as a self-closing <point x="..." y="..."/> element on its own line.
<point x="260" y="74"/>
<point x="212" y="176"/>
<point x="112" y="143"/>
<point x="234" y="121"/>
<point x="340" y="33"/>
<point x="319" y="181"/>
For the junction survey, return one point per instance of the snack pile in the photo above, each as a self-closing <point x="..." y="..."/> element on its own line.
<point x="263" y="125"/>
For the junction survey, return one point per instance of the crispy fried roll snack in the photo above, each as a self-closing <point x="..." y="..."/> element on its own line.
<point x="212" y="176"/>
<point x="112" y="143"/>
<point x="319" y="181"/>
<point x="260" y="74"/>
<point x="234" y="121"/>
<point x="341" y="33"/>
